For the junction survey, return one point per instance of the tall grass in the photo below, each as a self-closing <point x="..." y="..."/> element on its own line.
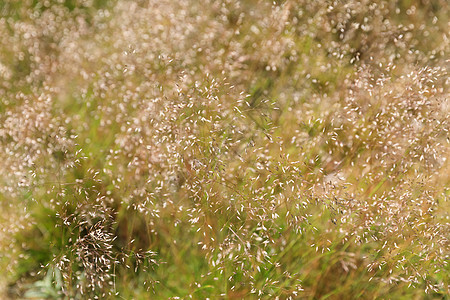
<point x="224" y="149"/>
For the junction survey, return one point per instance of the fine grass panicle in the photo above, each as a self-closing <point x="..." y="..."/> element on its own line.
<point x="224" y="149"/>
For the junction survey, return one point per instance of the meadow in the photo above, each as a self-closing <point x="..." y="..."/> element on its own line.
<point x="224" y="149"/>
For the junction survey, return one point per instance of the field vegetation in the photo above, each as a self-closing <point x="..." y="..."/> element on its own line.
<point x="224" y="149"/>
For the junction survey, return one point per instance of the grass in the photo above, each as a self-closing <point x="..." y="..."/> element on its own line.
<point x="255" y="150"/>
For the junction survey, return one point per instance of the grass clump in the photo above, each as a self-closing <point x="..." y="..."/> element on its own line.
<point x="258" y="149"/>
